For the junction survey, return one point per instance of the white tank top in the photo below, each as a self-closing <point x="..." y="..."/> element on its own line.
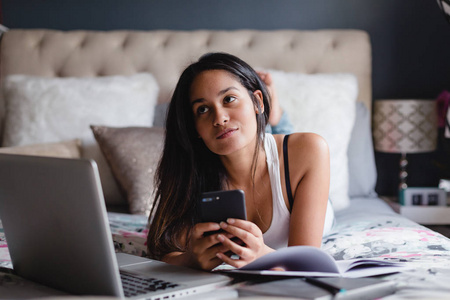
<point x="277" y="235"/>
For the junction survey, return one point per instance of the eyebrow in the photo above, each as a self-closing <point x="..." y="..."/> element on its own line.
<point x="218" y="94"/>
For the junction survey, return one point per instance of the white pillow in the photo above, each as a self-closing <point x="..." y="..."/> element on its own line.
<point x="323" y="104"/>
<point x="361" y="156"/>
<point x="45" y="110"/>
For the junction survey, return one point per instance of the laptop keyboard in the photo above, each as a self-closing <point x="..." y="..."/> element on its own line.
<point x="133" y="285"/>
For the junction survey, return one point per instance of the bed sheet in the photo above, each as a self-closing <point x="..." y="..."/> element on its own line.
<point x="129" y="233"/>
<point x="5" y="260"/>
<point x="369" y="228"/>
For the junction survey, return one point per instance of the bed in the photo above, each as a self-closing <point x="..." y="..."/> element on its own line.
<point x="103" y="95"/>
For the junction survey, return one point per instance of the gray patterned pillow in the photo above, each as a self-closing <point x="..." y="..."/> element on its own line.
<point x="133" y="154"/>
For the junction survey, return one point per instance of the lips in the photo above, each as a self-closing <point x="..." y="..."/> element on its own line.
<point x="225" y="133"/>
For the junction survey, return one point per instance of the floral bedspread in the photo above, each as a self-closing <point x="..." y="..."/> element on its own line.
<point x="5" y="260"/>
<point x="357" y="234"/>
<point x="129" y="233"/>
<point x="367" y="232"/>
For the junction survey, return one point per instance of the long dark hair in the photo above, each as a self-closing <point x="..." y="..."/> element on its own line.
<point x="187" y="167"/>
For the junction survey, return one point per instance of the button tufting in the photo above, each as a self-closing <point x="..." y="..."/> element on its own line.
<point x="334" y="44"/>
<point x="208" y="41"/>
<point x="124" y="42"/>
<point x="82" y="42"/>
<point x="250" y="43"/>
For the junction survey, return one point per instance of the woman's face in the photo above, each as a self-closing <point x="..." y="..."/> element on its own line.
<point x="224" y="114"/>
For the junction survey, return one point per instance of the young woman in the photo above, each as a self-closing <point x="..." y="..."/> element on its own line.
<point x="215" y="140"/>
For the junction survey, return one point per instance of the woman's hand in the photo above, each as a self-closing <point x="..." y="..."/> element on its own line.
<point x="201" y="249"/>
<point x="249" y="247"/>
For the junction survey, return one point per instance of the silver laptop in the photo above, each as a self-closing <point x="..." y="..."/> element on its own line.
<point x="57" y="230"/>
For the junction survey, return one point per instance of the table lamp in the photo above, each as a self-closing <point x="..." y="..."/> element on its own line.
<point x="405" y="126"/>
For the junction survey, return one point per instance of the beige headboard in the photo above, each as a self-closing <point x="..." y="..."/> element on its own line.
<point x="166" y="53"/>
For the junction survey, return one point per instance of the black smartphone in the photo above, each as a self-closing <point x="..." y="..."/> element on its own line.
<point x="218" y="206"/>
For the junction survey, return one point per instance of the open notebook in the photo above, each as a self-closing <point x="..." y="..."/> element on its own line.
<point x="314" y="262"/>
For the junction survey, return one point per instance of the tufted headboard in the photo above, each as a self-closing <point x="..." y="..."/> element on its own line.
<point x="166" y="53"/>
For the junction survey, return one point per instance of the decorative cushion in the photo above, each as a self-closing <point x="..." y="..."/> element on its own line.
<point x="66" y="149"/>
<point x="323" y="104"/>
<point x="361" y="156"/>
<point x="40" y="110"/>
<point x="133" y="154"/>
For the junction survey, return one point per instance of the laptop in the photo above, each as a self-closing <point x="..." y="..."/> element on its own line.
<point x="56" y="226"/>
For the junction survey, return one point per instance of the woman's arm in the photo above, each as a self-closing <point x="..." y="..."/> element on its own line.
<point x="309" y="167"/>
<point x="284" y="125"/>
<point x="275" y="109"/>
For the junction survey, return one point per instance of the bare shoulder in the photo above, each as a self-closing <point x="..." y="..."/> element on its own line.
<point x="308" y="153"/>
<point x="304" y="144"/>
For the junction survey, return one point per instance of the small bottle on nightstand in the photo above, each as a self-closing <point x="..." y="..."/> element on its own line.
<point x="445" y="185"/>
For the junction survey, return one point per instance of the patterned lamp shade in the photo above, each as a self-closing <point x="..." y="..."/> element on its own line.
<point x="405" y="126"/>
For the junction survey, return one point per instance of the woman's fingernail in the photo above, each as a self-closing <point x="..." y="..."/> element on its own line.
<point x="220" y="237"/>
<point x="223" y="225"/>
<point x="230" y="221"/>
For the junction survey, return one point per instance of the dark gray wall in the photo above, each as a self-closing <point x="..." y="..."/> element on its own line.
<point x="410" y="38"/>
